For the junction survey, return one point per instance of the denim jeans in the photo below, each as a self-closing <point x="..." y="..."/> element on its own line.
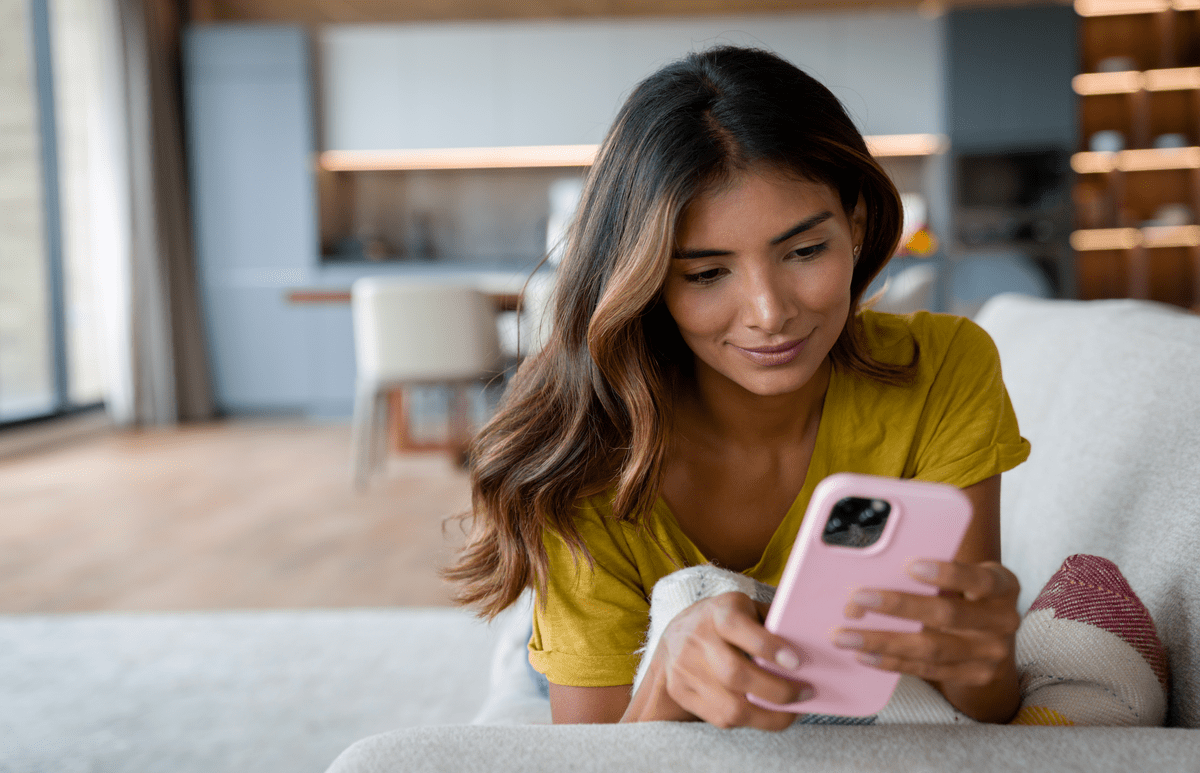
<point x="539" y="679"/>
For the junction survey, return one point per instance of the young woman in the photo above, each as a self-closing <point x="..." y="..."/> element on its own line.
<point x="709" y="364"/>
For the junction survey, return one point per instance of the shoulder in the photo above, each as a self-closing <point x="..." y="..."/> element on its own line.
<point x="940" y="338"/>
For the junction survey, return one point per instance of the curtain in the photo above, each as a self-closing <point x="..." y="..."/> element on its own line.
<point x="169" y="363"/>
<point x="157" y="368"/>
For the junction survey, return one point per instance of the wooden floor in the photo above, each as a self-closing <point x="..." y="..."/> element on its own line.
<point x="222" y="516"/>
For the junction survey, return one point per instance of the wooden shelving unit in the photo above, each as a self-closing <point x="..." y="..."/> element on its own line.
<point x="1136" y="210"/>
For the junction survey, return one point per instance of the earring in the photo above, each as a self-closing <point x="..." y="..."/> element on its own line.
<point x="857" y="250"/>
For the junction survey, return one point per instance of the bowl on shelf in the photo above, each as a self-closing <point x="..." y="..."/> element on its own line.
<point x="1106" y="141"/>
<point x="1116" y="64"/>
<point x="1170" y="141"/>
<point x="1170" y="215"/>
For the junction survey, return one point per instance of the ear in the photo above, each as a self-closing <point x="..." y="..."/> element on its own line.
<point x="858" y="220"/>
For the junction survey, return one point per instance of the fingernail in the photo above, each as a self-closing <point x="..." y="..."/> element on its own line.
<point x="867" y="598"/>
<point x="923" y="569"/>
<point x="869" y="659"/>
<point x="848" y="640"/>
<point x="787" y="659"/>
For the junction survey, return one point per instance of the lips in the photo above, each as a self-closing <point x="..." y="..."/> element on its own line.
<point x="780" y="354"/>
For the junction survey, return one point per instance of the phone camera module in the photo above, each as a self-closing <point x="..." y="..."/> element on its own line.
<point x="856" y="522"/>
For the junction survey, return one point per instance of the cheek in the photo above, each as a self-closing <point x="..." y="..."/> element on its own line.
<point x="696" y="313"/>
<point x="829" y="288"/>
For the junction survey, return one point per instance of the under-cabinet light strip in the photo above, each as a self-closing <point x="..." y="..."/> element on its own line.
<point x="458" y="158"/>
<point x="885" y="145"/>
<point x="899" y="145"/>
<point x="1122" y="7"/>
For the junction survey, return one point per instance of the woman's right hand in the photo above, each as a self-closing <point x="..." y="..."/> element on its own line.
<point x="701" y="669"/>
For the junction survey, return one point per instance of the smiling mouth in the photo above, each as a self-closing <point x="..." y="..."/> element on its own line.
<point x="781" y="354"/>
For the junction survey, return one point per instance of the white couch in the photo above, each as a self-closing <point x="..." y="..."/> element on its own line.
<point x="1109" y="395"/>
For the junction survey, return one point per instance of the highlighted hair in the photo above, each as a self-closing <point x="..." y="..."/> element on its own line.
<point x="591" y="412"/>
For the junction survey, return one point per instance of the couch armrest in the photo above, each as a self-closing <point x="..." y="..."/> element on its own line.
<point x="656" y="747"/>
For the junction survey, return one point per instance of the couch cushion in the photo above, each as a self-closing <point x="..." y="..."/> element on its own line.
<point x="1108" y="393"/>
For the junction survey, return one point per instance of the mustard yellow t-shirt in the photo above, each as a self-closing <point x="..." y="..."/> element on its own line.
<point x="954" y="424"/>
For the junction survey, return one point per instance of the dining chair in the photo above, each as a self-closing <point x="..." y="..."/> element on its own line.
<point x="410" y="333"/>
<point x="524" y="331"/>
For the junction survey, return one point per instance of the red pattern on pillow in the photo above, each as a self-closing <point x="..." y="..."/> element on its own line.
<point x="1092" y="590"/>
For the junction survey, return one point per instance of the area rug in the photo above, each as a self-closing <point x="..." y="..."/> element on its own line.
<point x="227" y="691"/>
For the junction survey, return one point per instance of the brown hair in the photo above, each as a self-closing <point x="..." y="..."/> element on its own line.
<point x="591" y="411"/>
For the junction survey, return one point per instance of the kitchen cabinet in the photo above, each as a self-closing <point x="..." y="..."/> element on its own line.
<point x="250" y="143"/>
<point x="1009" y="77"/>
<point x="562" y="82"/>
<point x="1012" y="127"/>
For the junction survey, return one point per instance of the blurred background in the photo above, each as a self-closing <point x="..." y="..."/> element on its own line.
<point x="189" y="190"/>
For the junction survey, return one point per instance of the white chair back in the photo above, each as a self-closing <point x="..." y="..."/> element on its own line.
<point x="414" y="331"/>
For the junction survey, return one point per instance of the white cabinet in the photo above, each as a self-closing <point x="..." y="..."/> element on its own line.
<point x="562" y="82"/>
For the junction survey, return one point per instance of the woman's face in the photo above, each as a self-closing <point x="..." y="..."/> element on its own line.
<point x="760" y="284"/>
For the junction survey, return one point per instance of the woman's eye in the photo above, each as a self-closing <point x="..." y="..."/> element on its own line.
<point x="811" y="251"/>
<point x="704" y="277"/>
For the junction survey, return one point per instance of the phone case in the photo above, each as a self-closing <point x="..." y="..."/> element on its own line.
<point x="927" y="520"/>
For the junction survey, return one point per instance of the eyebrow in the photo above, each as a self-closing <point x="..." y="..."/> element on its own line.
<point x="799" y="228"/>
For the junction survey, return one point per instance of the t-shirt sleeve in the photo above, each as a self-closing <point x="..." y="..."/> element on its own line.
<point x="589" y="624"/>
<point x="968" y="430"/>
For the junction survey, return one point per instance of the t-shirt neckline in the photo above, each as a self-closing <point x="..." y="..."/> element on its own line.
<point x="785" y="532"/>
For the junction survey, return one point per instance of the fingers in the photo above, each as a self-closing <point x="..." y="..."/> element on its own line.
<point x="930" y="654"/>
<point x="974" y="581"/>
<point x="975" y="597"/>
<point x="967" y="630"/>
<point x="738" y="620"/>
<point x="710" y="673"/>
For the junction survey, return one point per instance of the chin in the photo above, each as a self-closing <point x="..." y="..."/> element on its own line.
<point x="776" y="384"/>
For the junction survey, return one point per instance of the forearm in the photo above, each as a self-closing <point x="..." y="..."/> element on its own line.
<point x="995" y="702"/>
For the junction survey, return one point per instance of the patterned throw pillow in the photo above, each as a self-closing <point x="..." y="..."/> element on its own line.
<point x="1088" y="653"/>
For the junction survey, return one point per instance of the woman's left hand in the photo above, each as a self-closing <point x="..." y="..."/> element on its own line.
<point x="969" y="630"/>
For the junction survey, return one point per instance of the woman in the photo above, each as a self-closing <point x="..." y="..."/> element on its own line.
<point x="708" y="365"/>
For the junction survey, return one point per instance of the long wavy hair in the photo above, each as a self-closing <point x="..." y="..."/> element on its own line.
<point x="591" y="412"/>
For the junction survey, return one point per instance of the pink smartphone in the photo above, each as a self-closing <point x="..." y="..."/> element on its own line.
<point x="860" y="531"/>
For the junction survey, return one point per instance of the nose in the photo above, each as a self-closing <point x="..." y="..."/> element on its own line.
<point x="768" y="305"/>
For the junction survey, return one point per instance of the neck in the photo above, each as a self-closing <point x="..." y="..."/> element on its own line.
<point x="729" y="414"/>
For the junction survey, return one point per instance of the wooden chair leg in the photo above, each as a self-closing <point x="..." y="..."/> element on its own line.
<point x="460" y="424"/>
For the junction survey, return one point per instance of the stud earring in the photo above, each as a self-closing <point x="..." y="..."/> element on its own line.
<point x="857" y="250"/>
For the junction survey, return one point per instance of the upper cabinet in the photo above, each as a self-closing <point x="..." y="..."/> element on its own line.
<point x="561" y="83"/>
<point x="1009" y="77"/>
<point x="250" y="134"/>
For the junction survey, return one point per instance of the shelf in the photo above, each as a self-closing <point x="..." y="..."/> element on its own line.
<point x="1156" y="46"/>
<point x="1145" y="160"/>
<point x="881" y="145"/>
<point x="1131" y="81"/>
<point x="1157" y="237"/>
